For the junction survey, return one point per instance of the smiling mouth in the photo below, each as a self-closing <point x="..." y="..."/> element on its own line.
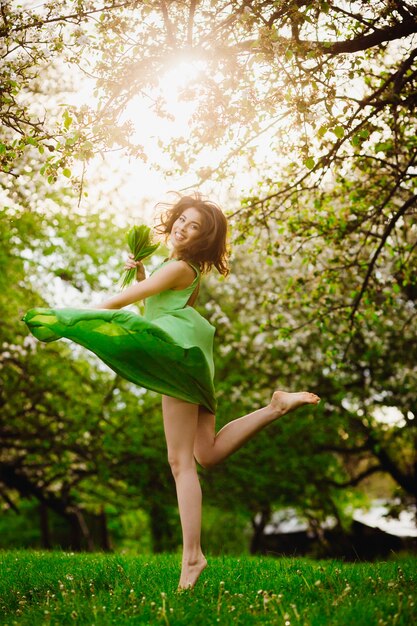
<point x="179" y="236"/>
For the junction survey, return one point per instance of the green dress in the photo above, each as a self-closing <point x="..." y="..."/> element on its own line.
<point x="168" y="350"/>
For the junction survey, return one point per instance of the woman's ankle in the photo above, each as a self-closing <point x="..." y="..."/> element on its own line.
<point x="193" y="557"/>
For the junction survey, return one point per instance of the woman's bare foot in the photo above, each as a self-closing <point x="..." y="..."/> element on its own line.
<point x="190" y="573"/>
<point x="283" y="402"/>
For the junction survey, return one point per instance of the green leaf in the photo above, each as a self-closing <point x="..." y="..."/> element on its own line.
<point x="309" y="163"/>
<point x="339" y="131"/>
<point x="67" y="120"/>
<point x="66" y="172"/>
<point x="383" y="146"/>
<point x="140" y="244"/>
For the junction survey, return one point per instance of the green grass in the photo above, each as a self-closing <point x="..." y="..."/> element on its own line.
<point x="60" y="588"/>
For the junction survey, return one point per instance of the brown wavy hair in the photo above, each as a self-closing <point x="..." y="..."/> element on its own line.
<point x="210" y="249"/>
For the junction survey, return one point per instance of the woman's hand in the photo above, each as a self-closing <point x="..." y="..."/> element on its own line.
<point x="169" y="277"/>
<point x="140" y="270"/>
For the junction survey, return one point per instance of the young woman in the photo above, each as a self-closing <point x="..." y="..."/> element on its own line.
<point x="169" y="350"/>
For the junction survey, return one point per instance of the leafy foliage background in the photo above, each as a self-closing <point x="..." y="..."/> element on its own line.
<point x="316" y="101"/>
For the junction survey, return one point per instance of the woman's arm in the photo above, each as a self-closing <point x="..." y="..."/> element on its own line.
<point x="171" y="276"/>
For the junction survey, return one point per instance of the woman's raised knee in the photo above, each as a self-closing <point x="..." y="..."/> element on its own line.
<point x="206" y="461"/>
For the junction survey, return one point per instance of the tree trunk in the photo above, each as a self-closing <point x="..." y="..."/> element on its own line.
<point x="75" y="533"/>
<point x="258" y="530"/>
<point x="104" y="531"/>
<point x="164" y="538"/>
<point x="44" y="526"/>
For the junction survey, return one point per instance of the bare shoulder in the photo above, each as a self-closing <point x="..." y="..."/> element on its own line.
<point x="176" y="275"/>
<point x="186" y="269"/>
<point x="182" y="273"/>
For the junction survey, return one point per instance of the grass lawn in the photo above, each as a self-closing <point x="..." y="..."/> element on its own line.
<point x="61" y="588"/>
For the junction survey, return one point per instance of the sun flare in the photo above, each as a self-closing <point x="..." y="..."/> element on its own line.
<point x="166" y="111"/>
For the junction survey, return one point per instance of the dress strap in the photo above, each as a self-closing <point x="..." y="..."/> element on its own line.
<point x="195" y="267"/>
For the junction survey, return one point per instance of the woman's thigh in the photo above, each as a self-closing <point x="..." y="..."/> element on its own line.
<point x="205" y="435"/>
<point x="180" y="426"/>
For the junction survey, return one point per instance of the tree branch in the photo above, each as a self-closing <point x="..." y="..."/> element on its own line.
<point x="344" y="450"/>
<point x="168" y="25"/>
<point x="390" y="227"/>
<point x="357" y="479"/>
<point x="190" y="24"/>
<point x="333" y="48"/>
<point x="37" y="22"/>
<point x="9" y="501"/>
<point x="403" y="9"/>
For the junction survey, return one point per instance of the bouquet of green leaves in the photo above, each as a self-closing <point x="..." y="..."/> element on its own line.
<point x="140" y="244"/>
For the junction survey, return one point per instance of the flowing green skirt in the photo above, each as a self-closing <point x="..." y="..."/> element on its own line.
<point x="133" y="347"/>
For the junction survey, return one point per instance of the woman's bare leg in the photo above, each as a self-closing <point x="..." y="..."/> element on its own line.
<point x="210" y="448"/>
<point x="180" y="425"/>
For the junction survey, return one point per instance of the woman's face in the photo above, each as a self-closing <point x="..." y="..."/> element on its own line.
<point x="186" y="228"/>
